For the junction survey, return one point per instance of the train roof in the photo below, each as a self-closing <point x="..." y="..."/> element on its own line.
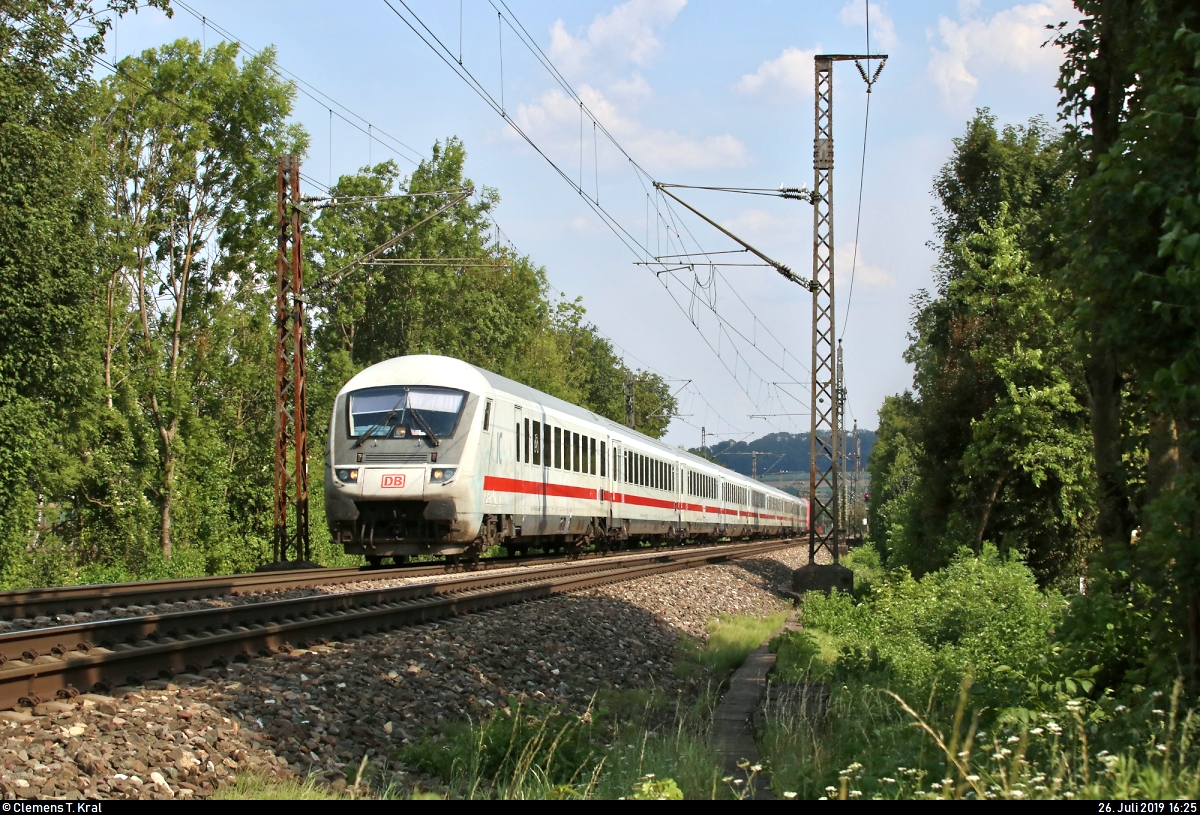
<point x="433" y="369"/>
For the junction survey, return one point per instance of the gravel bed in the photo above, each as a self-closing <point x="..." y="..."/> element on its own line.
<point x="322" y="710"/>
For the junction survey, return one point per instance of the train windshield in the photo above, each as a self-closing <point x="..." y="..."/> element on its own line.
<point x="400" y="412"/>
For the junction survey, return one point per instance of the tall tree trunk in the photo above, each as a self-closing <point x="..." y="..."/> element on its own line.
<point x="168" y="499"/>
<point x="1109" y="79"/>
<point x="1114" y="521"/>
<point x="987" y="512"/>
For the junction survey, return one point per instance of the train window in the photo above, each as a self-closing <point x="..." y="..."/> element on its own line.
<point x="583" y="449"/>
<point x="645" y="471"/>
<point x="575" y="452"/>
<point x="603" y="460"/>
<point x="625" y="469"/>
<point x="518" y="440"/>
<point x="487" y="415"/>
<point x="592" y="458"/>
<point x="526" y="441"/>
<point x="537" y="443"/>
<point x="558" y="448"/>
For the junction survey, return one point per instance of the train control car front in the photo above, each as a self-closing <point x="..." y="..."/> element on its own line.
<point x="401" y="469"/>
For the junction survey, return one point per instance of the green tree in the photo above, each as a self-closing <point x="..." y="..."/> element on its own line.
<point x="191" y="139"/>
<point x="49" y="216"/>
<point x="1130" y="89"/>
<point x="990" y="448"/>
<point x="472" y="299"/>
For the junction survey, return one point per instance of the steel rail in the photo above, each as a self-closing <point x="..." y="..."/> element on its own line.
<point x="71" y="599"/>
<point x="57" y="660"/>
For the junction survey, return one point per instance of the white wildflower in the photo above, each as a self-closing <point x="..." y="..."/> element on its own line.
<point x="1013" y="739"/>
<point x="887" y="781"/>
<point x="1037" y="731"/>
<point x="855" y="793"/>
<point x="1158" y="712"/>
<point x="789" y="795"/>
<point x="973" y="778"/>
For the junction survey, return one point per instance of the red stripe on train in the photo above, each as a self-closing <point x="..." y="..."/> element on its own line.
<point x="516" y="485"/>
<point x="497" y="484"/>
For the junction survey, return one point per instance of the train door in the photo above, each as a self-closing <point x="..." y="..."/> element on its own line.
<point x="615" y="506"/>
<point x="676" y="493"/>
<point x="722" y="505"/>
<point x="608" y="476"/>
<point x="504" y="449"/>
<point x="520" y="496"/>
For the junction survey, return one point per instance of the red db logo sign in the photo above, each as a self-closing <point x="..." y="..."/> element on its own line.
<point x="393" y="482"/>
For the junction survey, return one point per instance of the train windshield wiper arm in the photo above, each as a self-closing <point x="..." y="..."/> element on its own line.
<point x="387" y="419"/>
<point x="433" y="437"/>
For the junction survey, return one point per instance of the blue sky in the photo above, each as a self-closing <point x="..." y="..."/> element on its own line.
<point x="709" y="93"/>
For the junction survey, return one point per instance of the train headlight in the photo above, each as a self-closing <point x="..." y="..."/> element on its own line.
<point x="347" y="476"/>
<point x="440" y="475"/>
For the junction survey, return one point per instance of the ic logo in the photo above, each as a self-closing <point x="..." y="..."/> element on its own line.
<point x="393" y="482"/>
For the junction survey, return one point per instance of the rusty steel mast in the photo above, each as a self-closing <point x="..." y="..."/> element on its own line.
<point x="291" y="398"/>
<point x="827" y="391"/>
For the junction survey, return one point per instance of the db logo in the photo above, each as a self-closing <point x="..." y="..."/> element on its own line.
<point x="395" y="482"/>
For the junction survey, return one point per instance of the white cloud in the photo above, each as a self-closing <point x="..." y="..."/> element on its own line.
<point x="625" y="34"/>
<point x="883" y="31"/>
<point x="1010" y="39"/>
<point x="554" y="121"/>
<point x="865" y="274"/>
<point x="583" y="227"/>
<point x="787" y="76"/>
<point x="634" y="89"/>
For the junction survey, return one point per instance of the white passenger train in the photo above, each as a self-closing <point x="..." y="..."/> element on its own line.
<point x="431" y="455"/>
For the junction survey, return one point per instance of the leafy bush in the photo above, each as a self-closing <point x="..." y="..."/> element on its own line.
<point x="977" y="614"/>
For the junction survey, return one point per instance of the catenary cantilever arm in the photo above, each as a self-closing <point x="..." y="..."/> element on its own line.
<point x="779" y="267"/>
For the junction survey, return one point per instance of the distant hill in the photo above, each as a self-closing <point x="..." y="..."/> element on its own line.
<point x="778" y="453"/>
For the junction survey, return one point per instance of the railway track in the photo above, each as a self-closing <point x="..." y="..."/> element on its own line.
<point x="59" y="600"/>
<point x="41" y="664"/>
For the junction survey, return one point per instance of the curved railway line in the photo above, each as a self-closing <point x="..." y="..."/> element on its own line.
<point x="40" y="664"/>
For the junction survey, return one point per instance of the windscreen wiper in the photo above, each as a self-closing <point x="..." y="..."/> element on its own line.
<point x="387" y="419"/>
<point x="433" y="438"/>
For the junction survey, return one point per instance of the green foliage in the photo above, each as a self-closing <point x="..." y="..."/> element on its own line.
<point x="971" y="617"/>
<point x="508" y="746"/>
<point x="137" y="256"/>
<point x="730" y="639"/>
<point x="994" y="447"/>
<point x="1132" y="89"/>
<point x="650" y="788"/>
